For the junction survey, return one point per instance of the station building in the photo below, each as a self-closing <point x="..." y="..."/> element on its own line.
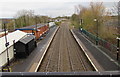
<point x="12" y="38"/>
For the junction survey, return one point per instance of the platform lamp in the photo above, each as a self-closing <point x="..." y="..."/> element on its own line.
<point x="36" y="22"/>
<point x="81" y="24"/>
<point x="14" y="23"/>
<point x="118" y="41"/>
<point x="96" y="20"/>
<point x="6" y="45"/>
<point x="118" y="28"/>
<point x="36" y="26"/>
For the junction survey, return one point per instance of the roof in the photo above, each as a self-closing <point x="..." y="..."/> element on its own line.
<point x="32" y="27"/>
<point x="16" y="35"/>
<point x="27" y="39"/>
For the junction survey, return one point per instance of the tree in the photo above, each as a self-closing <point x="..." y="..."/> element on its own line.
<point x="88" y="14"/>
<point x="97" y="11"/>
<point x="75" y="20"/>
<point x="24" y="18"/>
<point x="116" y="14"/>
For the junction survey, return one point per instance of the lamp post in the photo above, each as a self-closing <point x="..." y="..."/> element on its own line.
<point x="118" y="29"/>
<point x="81" y="22"/>
<point x="118" y="41"/>
<point x="96" y="20"/>
<point x="14" y="24"/>
<point x="36" y="22"/>
<point x="36" y="26"/>
<point x="6" y="45"/>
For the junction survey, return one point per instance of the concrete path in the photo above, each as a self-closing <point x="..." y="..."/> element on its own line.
<point x="107" y="61"/>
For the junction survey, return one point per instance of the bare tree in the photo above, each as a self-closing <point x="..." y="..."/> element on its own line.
<point x="116" y="11"/>
<point x="24" y="18"/>
<point x="118" y="19"/>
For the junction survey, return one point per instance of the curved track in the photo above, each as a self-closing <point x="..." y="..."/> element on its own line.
<point x="64" y="54"/>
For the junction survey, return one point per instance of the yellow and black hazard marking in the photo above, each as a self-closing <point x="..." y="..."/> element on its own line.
<point x="6" y="69"/>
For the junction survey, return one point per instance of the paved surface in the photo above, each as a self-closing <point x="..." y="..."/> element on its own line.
<point x="107" y="61"/>
<point x="64" y="54"/>
<point x="23" y="65"/>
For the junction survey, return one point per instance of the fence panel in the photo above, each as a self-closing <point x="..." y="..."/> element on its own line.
<point x="101" y="42"/>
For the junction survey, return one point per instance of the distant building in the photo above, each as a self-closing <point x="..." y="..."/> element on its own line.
<point x="0" y="25"/>
<point x="4" y="20"/>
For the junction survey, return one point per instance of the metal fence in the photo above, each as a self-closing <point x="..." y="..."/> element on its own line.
<point x="101" y="42"/>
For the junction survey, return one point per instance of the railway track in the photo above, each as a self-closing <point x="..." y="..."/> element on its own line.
<point x="64" y="54"/>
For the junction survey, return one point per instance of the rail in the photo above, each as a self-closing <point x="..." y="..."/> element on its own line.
<point x="86" y="54"/>
<point x="40" y="61"/>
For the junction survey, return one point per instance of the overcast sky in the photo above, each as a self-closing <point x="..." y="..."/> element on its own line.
<point x="52" y="8"/>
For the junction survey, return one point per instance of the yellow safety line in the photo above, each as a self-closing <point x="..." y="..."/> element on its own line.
<point x="7" y="69"/>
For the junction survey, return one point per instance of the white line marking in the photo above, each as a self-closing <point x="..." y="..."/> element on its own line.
<point x="45" y="50"/>
<point x="84" y="51"/>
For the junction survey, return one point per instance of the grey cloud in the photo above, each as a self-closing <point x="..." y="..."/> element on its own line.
<point x="9" y="9"/>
